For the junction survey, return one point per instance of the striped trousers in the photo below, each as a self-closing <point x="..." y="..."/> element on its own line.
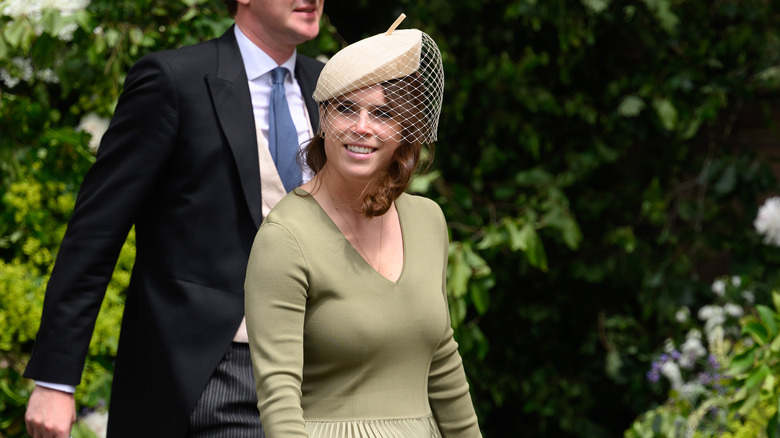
<point x="227" y="408"/>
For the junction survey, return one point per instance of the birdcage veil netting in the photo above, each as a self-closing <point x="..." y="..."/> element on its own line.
<point x="390" y="85"/>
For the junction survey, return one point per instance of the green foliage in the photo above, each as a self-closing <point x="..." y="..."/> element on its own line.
<point x="588" y="154"/>
<point x="744" y="401"/>
<point x="60" y="76"/>
<point x="589" y="166"/>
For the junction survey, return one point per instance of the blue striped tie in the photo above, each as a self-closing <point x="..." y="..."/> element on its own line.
<point x="282" y="135"/>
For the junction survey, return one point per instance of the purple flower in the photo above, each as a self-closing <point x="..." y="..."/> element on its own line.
<point x="713" y="362"/>
<point x="653" y="375"/>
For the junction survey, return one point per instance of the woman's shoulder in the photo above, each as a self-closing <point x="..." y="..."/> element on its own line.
<point x="295" y="207"/>
<point x="419" y="205"/>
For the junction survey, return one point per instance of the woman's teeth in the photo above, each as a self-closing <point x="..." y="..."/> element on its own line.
<point x="359" y="149"/>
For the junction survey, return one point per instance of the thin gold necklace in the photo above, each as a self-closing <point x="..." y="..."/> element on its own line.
<point x="357" y="241"/>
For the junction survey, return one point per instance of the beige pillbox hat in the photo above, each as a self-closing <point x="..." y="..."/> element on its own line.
<point x="408" y="54"/>
<point x="370" y="61"/>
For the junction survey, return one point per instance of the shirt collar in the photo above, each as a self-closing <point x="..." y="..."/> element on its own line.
<point x="256" y="61"/>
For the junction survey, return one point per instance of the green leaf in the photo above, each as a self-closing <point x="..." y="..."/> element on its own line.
<point x="631" y="106"/>
<point x="742" y="362"/>
<point x="459" y="273"/>
<point x="11" y="394"/>
<point x="51" y="21"/>
<point x="666" y="112"/>
<point x="3" y="51"/>
<point x="755" y="378"/>
<point x="457" y="312"/>
<point x="757" y="331"/>
<point x="768" y="318"/>
<point x="422" y="183"/>
<point x="480" y="297"/>
<point x="136" y="36"/>
<point x="754" y="396"/>
<point x="773" y="426"/>
<point x="776" y="300"/>
<point x="596" y="6"/>
<point x="112" y="37"/>
<point x="515" y="237"/>
<point x="775" y="345"/>
<point x="189" y="14"/>
<point x="572" y="236"/>
<point x="532" y="245"/>
<point x="727" y="180"/>
<point x="15" y="32"/>
<point x="492" y="238"/>
<point x="474" y="260"/>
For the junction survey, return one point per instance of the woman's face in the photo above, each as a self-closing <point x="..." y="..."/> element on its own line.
<point x="361" y="133"/>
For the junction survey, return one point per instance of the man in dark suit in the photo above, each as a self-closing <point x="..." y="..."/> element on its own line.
<point x="182" y="162"/>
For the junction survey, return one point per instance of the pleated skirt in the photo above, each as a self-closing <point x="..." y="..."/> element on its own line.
<point x="421" y="427"/>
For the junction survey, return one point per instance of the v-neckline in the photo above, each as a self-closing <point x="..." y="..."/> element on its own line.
<point x="356" y="252"/>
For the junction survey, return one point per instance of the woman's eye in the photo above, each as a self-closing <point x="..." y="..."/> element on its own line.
<point x="383" y="113"/>
<point x="345" y="108"/>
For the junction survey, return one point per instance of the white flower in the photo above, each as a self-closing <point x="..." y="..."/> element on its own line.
<point x="33" y="8"/>
<point x="713" y="316"/>
<point x="709" y="312"/>
<point x="25" y="67"/>
<point x="47" y="75"/>
<point x="97" y="422"/>
<point x="67" y="7"/>
<point x="732" y="309"/>
<point x="736" y="281"/>
<point x="682" y="315"/>
<point x="7" y="79"/>
<point x="671" y="371"/>
<point x="691" y="349"/>
<point x="22" y="8"/>
<point x="95" y="126"/>
<point x="66" y="33"/>
<point x="767" y="221"/>
<point x="691" y="390"/>
<point x="748" y="296"/>
<point x="719" y="287"/>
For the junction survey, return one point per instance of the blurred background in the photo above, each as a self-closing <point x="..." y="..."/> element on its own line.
<point x="608" y="170"/>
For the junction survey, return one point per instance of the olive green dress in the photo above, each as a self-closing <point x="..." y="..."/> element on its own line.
<point x="340" y="351"/>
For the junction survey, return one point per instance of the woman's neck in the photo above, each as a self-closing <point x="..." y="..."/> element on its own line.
<point x="343" y="194"/>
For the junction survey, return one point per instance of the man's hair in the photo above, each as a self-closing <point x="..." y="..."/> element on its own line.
<point x="232" y="7"/>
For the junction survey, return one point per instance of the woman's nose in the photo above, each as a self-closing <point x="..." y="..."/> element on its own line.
<point x="362" y="124"/>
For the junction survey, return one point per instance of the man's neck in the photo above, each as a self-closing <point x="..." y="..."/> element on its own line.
<point x="278" y="52"/>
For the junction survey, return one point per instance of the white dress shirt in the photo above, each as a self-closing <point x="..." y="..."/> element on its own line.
<point x="258" y="67"/>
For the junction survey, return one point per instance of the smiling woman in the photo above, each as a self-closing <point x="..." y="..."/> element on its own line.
<point x="346" y="301"/>
<point x="380" y="101"/>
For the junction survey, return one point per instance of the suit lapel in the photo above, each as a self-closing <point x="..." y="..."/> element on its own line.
<point x="307" y="74"/>
<point x="233" y="105"/>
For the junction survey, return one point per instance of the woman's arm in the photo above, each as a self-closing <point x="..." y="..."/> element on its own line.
<point x="448" y="390"/>
<point x="276" y="291"/>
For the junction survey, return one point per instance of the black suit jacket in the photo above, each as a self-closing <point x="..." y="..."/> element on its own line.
<point x="179" y="161"/>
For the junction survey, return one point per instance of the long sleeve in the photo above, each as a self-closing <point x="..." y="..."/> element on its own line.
<point x="276" y="294"/>
<point x="448" y="390"/>
<point x="129" y="161"/>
